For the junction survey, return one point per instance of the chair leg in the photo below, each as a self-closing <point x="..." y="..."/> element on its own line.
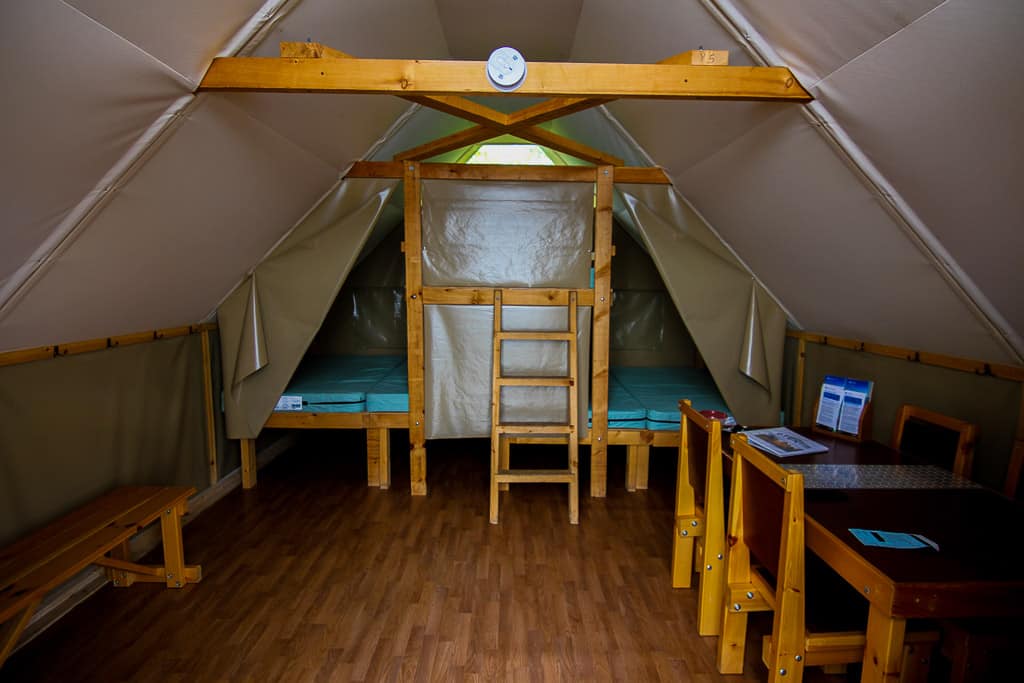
<point x="732" y="642"/>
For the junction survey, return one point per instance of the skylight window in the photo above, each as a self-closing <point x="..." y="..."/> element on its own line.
<point x="531" y="155"/>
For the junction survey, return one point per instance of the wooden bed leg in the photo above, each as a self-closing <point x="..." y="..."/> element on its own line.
<point x="12" y="630"/>
<point x="385" y="457"/>
<point x="631" y="466"/>
<point x="643" y="456"/>
<point x="373" y="447"/>
<point x="248" y="463"/>
<point x="418" y="470"/>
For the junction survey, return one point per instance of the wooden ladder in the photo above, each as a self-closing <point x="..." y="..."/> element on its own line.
<point x="501" y="432"/>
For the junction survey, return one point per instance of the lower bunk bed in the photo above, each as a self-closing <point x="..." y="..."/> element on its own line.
<point x="372" y="393"/>
<point x="643" y="410"/>
<point x="345" y="392"/>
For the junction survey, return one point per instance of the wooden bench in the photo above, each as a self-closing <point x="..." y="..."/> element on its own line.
<point x="97" y="533"/>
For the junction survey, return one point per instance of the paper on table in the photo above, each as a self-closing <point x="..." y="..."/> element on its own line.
<point x="893" y="539"/>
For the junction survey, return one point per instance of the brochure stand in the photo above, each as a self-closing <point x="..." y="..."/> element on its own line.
<point x="863" y="426"/>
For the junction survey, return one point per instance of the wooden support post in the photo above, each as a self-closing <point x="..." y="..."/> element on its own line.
<point x="504" y="460"/>
<point x="414" y="322"/>
<point x="798" y="383"/>
<point x="12" y="629"/>
<point x="600" y="337"/>
<point x="883" y="651"/>
<point x="211" y="424"/>
<point x="248" y="463"/>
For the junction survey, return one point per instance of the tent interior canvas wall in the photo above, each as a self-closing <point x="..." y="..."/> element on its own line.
<point x="175" y="243"/>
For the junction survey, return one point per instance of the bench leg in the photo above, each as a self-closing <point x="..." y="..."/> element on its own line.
<point x="120" y="577"/>
<point x="248" y="463"/>
<point x="177" y="574"/>
<point x="12" y="630"/>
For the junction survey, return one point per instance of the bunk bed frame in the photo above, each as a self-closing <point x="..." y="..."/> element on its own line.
<point x="598" y="435"/>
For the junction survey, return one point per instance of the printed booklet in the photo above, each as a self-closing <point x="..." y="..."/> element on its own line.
<point x="782" y="442"/>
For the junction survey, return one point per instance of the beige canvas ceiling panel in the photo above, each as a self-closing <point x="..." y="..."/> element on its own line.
<point x="75" y="99"/>
<point x="380" y="29"/>
<point x="821" y="242"/>
<point x="540" y="29"/>
<point x="178" y="236"/>
<point x="184" y="34"/>
<point x="645" y="32"/>
<point x="338" y="129"/>
<point x="816" y="38"/>
<point x="947" y="133"/>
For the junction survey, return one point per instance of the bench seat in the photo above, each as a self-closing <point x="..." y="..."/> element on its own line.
<point x="97" y="533"/>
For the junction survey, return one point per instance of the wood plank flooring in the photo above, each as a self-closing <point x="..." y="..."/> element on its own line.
<point x="313" y="576"/>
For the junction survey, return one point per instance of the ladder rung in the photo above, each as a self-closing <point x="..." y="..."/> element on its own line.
<point x="534" y="428"/>
<point x="535" y="381"/>
<point x="536" y="335"/>
<point x="535" y="476"/>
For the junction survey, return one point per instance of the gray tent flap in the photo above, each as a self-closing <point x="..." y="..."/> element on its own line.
<point x="753" y="362"/>
<point x="507" y="234"/>
<point x="732" y="320"/>
<point x="252" y="346"/>
<point x="298" y="282"/>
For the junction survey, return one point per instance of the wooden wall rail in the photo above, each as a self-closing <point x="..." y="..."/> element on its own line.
<point x="1014" y="373"/>
<point x="72" y="348"/>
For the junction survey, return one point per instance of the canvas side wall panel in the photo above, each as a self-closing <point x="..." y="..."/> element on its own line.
<point x="992" y="404"/>
<point x="74" y="427"/>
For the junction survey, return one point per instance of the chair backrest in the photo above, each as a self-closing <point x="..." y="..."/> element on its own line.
<point x="766" y="511"/>
<point x="700" y="439"/>
<point x="929" y="437"/>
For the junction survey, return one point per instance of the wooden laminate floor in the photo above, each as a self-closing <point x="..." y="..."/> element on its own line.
<point x="313" y="576"/>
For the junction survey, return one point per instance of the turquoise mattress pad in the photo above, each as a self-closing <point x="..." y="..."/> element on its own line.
<point x="391" y="394"/>
<point x="658" y="390"/>
<point x="624" y="411"/>
<point x="340" y="384"/>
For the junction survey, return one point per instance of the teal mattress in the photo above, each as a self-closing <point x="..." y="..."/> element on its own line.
<point x="624" y="411"/>
<point x="391" y="394"/>
<point x="345" y="384"/>
<point x="658" y="391"/>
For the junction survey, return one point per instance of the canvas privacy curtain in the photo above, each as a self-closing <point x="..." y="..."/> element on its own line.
<point x="737" y="326"/>
<point x="269" y="320"/>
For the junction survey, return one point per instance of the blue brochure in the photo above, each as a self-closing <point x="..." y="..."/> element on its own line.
<point x="893" y="539"/>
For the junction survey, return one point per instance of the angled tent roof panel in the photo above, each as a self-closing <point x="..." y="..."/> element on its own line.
<point x="68" y="119"/>
<point x="179" y="235"/>
<point x="470" y="25"/>
<point x="821" y="241"/>
<point x="816" y="38"/>
<point x="946" y="132"/>
<point x="185" y="34"/>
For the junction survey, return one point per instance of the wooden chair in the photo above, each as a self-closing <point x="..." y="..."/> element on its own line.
<point x="935" y="438"/>
<point x="698" y="541"/>
<point x="766" y="526"/>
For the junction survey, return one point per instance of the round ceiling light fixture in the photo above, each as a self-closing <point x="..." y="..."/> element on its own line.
<point x="506" y="69"/>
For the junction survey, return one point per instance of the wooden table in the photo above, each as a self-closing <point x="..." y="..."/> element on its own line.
<point x="978" y="571"/>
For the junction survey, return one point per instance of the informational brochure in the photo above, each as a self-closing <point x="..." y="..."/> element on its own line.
<point x="782" y="442"/>
<point x="830" y="402"/>
<point x="893" y="539"/>
<point x="855" y="398"/>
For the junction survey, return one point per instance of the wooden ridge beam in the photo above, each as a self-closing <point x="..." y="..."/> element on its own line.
<point x="405" y="77"/>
